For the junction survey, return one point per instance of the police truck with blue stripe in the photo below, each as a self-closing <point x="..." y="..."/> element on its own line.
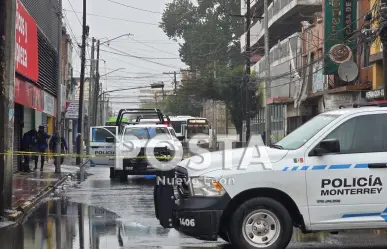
<point x="327" y="175"/>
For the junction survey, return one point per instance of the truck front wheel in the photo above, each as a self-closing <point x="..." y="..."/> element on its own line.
<point x="261" y="223"/>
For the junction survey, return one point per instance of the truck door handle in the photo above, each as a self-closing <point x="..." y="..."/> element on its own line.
<point x="377" y="165"/>
<point x="95" y="147"/>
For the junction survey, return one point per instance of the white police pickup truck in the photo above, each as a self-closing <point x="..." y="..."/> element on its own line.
<point x="328" y="175"/>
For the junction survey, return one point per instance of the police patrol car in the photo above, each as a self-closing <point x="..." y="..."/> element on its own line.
<point x="328" y="175"/>
<point x="123" y="146"/>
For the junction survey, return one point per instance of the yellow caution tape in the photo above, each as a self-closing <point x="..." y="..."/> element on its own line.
<point x="50" y="154"/>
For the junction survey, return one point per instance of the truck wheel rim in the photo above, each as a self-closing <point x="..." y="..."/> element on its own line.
<point x="261" y="228"/>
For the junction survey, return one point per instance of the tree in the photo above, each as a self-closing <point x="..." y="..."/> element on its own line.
<point x="209" y="31"/>
<point x="226" y="87"/>
<point x="210" y="45"/>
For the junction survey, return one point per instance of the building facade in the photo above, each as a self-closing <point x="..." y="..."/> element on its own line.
<point x="36" y="78"/>
<point x="306" y="73"/>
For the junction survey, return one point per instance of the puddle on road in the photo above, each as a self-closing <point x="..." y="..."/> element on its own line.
<point x="58" y="222"/>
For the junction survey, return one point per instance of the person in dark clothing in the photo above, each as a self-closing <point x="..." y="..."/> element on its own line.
<point x="41" y="143"/>
<point x="28" y="146"/>
<point x="53" y="142"/>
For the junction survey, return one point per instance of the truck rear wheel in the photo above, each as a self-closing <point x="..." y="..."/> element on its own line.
<point x="261" y="223"/>
<point x="112" y="173"/>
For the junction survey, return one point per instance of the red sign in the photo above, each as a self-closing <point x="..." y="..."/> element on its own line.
<point x="28" y="94"/>
<point x="26" y="52"/>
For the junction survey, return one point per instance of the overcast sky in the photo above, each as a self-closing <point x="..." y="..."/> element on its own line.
<point x="147" y="40"/>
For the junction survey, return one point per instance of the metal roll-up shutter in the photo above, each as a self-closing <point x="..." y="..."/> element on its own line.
<point x="28" y="119"/>
<point x="18" y="115"/>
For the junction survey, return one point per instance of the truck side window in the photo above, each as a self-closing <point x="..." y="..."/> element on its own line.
<point x="100" y="135"/>
<point x="362" y="134"/>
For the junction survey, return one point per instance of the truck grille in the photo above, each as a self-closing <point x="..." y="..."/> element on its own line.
<point x="181" y="186"/>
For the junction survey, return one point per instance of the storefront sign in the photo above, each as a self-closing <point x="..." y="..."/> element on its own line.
<point x="26" y="51"/>
<point x="340" y="23"/>
<point x="376" y="94"/>
<point x="49" y="104"/>
<point x="72" y="110"/>
<point x="29" y="95"/>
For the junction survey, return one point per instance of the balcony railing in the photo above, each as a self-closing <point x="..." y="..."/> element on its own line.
<point x="282" y="51"/>
<point x="276" y="10"/>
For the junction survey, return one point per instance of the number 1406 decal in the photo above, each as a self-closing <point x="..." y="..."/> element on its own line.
<point x="187" y="222"/>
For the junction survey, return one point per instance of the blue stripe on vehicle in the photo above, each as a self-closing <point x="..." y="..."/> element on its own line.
<point x="384" y="217"/>
<point x="340" y="166"/>
<point x="326" y="167"/>
<point x="319" y="167"/>
<point x="360" y="215"/>
<point x="361" y="166"/>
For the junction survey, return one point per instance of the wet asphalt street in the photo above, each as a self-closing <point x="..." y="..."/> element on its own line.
<point x="111" y="215"/>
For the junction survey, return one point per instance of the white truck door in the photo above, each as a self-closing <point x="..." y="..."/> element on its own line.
<point x="347" y="189"/>
<point x="102" y="145"/>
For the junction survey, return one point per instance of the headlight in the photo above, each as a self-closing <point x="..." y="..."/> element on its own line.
<point x="206" y="186"/>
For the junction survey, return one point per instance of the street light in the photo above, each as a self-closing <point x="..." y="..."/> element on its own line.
<point x="115" y="38"/>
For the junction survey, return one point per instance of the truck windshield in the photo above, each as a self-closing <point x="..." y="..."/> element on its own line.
<point x="146" y="133"/>
<point x="304" y="133"/>
<point x="197" y="129"/>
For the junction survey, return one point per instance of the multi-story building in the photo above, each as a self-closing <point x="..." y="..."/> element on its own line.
<point x="36" y="76"/>
<point x="285" y="17"/>
<point x="305" y="76"/>
<point x="68" y="88"/>
<point x="374" y="58"/>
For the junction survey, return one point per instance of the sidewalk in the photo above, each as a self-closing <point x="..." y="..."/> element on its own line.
<point x="28" y="189"/>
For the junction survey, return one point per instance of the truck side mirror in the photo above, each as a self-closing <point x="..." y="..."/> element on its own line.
<point x="109" y="139"/>
<point x="327" y="146"/>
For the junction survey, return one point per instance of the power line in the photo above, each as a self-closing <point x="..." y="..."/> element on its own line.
<point x="152" y="47"/>
<point x="128" y="6"/>
<point x="169" y="66"/>
<point x="139" y="57"/>
<point x="114" y="18"/>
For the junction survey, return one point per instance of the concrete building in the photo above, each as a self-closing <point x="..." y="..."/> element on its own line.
<point x="36" y="76"/>
<point x="285" y="17"/>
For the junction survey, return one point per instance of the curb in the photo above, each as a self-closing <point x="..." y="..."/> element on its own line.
<point x="24" y="210"/>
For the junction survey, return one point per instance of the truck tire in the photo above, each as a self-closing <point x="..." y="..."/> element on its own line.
<point x="261" y="223"/>
<point x="122" y="176"/>
<point x="112" y="173"/>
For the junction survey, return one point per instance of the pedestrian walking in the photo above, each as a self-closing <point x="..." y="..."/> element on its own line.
<point x="28" y="146"/>
<point x="63" y="145"/>
<point x="41" y="144"/>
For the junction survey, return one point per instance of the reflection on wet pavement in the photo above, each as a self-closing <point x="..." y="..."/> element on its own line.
<point x="103" y="214"/>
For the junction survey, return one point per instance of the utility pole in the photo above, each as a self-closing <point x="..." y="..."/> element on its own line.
<point x="7" y="79"/>
<point x="96" y="87"/>
<point x="383" y="38"/>
<point x="248" y="64"/>
<point x="91" y="92"/>
<point x="268" y="76"/>
<point x="174" y="79"/>
<point x="58" y="148"/>
<point x="82" y="82"/>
